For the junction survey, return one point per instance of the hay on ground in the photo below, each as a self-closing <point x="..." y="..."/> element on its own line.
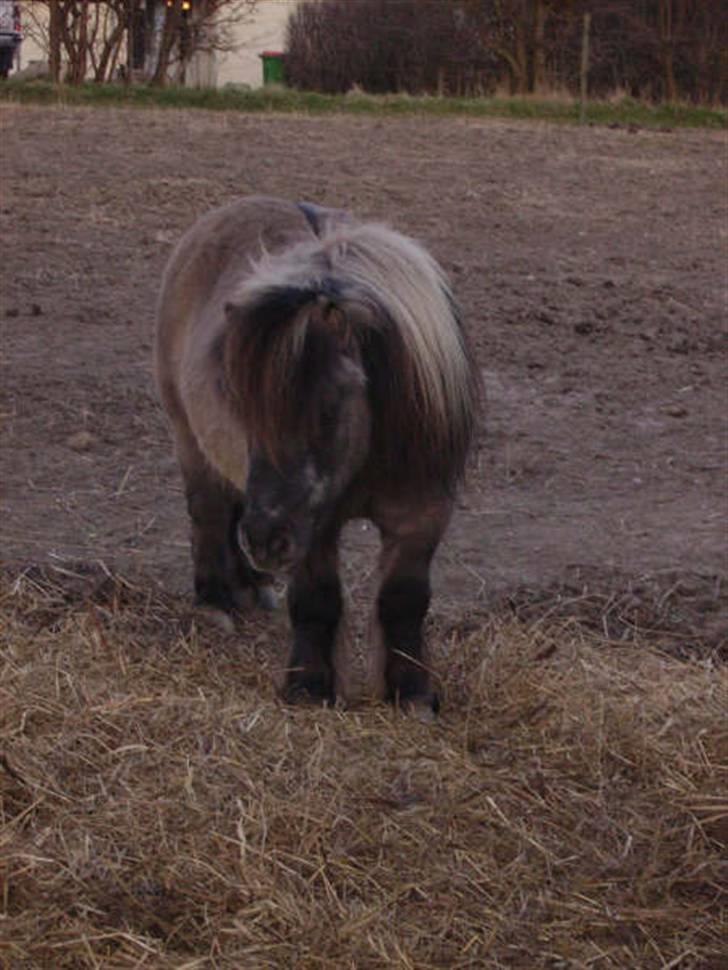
<point x="160" y="807"/>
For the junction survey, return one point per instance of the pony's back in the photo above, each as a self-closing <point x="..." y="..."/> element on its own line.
<point x="201" y="276"/>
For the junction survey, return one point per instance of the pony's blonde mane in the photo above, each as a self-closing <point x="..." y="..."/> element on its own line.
<point x="368" y="290"/>
<point x="381" y="271"/>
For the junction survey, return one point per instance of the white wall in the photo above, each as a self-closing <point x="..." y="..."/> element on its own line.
<point x="265" y="31"/>
<point x="29" y="50"/>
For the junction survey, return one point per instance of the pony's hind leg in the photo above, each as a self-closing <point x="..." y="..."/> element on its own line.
<point x="409" y="541"/>
<point x="314" y="606"/>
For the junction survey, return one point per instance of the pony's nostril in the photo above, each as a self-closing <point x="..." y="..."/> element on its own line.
<point x="265" y="546"/>
<point x="281" y="545"/>
<point x="247" y="544"/>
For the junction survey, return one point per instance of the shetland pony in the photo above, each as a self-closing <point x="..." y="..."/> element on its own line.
<point x="314" y="369"/>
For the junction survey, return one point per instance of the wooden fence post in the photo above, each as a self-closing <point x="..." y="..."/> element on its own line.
<point x="584" y="70"/>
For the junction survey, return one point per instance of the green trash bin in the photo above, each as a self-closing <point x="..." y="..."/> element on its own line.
<point x="273" y="67"/>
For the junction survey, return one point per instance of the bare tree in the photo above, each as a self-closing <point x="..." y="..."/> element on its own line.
<point x="522" y="38"/>
<point x="206" y="26"/>
<point x="411" y="45"/>
<point x="664" y="49"/>
<point x="90" y="37"/>
<point x="85" y="36"/>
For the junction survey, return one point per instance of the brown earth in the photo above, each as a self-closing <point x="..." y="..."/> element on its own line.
<point x="591" y="267"/>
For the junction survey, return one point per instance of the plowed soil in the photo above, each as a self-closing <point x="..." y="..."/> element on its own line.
<point x="590" y="264"/>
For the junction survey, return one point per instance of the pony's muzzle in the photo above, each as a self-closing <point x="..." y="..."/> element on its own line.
<point x="269" y="549"/>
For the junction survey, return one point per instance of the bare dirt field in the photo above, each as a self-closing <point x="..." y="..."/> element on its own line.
<point x="160" y="806"/>
<point x="591" y="268"/>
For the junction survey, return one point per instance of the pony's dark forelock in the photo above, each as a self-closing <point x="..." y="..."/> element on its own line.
<point x="274" y="353"/>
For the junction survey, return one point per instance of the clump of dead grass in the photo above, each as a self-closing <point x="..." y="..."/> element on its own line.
<point x="160" y="807"/>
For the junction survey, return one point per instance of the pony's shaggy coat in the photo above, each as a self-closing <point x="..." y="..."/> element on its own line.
<point x="314" y="369"/>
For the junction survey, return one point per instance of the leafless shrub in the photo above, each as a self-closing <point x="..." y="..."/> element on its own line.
<point x="379" y="46"/>
<point x="661" y="49"/>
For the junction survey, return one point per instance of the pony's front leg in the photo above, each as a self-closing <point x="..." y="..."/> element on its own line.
<point x="223" y="576"/>
<point x="314" y="606"/>
<point x="409" y="542"/>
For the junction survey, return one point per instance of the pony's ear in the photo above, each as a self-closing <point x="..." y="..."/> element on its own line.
<point x="329" y="318"/>
<point x="229" y="345"/>
<point x="338" y="324"/>
<point x="348" y="318"/>
<point x="232" y="312"/>
<point x="276" y="304"/>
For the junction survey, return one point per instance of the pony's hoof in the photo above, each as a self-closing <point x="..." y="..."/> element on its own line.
<point x="217" y="618"/>
<point x="244" y="599"/>
<point x="409" y="691"/>
<point x="309" y="689"/>
<point x="248" y="598"/>
<point x="267" y="599"/>
<point x="423" y="709"/>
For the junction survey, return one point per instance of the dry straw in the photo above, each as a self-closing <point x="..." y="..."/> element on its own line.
<point x="160" y="807"/>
